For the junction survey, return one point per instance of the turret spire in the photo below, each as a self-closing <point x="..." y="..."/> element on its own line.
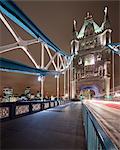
<point x="88" y="16"/>
<point x="74" y="28"/>
<point x="106" y="14"/>
<point x="106" y="22"/>
<point x="74" y="25"/>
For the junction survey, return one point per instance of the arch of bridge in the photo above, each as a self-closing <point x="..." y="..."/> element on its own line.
<point x="91" y="87"/>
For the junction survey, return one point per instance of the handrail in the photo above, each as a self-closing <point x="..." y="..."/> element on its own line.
<point x="11" y="110"/>
<point x="93" y="131"/>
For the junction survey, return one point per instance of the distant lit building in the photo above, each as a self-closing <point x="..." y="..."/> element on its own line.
<point x="27" y="92"/>
<point x="91" y="68"/>
<point x="7" y="94"/>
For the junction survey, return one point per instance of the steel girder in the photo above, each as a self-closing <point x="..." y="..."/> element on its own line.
<point x="10" y="9"/>
<point x="115" y="47"/>
<point x="12" y="66"/>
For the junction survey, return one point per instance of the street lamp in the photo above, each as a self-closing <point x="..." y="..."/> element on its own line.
<point x="40" y="78"/>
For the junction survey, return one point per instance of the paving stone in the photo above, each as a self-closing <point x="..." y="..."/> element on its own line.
<point x="58" y="128"/>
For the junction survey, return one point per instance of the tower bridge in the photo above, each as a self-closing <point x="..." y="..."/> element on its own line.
<point x="92" y="61"/>
<point x="88" y="73"/>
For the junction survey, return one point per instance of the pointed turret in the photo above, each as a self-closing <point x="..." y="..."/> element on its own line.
<point x="106" y="22"/>
<point x="74" y="42"/>
<point x="74" y="29"/>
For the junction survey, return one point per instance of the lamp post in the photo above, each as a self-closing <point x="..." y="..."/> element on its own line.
<point x="41" y="79"/>
<point x="113" y="71"/>
<point x="68" y="84"/>
<point x="64" y="83"/>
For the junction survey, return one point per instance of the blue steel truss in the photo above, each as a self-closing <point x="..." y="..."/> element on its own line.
<point x="10" y="9"/>
<point x="115" y="47"/>
<point x="12" y="66"/>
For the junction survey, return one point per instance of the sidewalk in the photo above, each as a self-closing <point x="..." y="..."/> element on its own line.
<point x="58" y="128"/>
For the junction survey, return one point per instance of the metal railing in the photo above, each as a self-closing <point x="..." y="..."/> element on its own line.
<point x="11" y="110"/>
<point x="96" y="138"/>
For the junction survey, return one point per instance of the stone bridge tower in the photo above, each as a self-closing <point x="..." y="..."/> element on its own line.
<point x="91" y="68"/>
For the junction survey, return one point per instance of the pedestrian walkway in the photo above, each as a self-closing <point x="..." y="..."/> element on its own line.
<point x="58" y="128"/>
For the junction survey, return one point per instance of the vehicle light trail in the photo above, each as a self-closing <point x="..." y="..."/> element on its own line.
<point x="107" y="114"/>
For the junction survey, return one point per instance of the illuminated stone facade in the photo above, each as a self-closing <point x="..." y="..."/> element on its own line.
<point x="91" y="68"/>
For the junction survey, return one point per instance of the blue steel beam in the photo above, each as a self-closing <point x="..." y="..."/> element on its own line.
<point x="12" y="66"/>
<point x="114" y="44"/>
<point x="115" y="47"/>
<point x="10" y="9"/>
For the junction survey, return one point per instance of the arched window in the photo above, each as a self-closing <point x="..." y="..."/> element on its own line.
<point x="89" y="30"/>
<point x="80" y="61"/>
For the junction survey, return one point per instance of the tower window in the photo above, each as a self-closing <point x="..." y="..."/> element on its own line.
<point x="89" y="60"/>
<point x="107" y="37"/>
<point x="89" y="30"/>
<point x="80" y="61"/>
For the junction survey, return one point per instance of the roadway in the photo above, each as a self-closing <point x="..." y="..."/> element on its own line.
<point x="56" y="128"/>
<point x="107" y="114"/>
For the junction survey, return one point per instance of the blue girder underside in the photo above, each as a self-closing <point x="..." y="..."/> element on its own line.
<point x="12" y="66"/>
<point x="115" y="47"/>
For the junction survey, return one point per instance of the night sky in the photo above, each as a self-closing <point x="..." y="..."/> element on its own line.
<point x="55" y="19"/>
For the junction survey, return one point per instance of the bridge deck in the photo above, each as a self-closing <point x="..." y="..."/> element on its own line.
<point x="57" y="128"/>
